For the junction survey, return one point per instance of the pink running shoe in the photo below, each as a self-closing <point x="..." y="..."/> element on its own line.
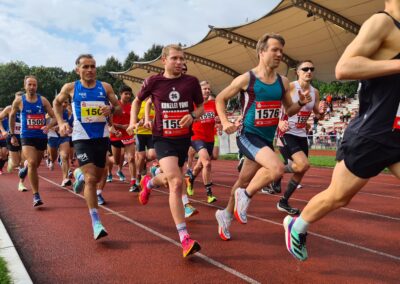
<point x="189" y="246"/>
<point x="144" y="194"/>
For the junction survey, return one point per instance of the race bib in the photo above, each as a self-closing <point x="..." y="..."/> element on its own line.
<point x="267" y="113"/>
<point x="302" y="117"/>
<point x="170" y="122"/>
<point x="90" y="112"/>
<point x="35" y="121"/>
<point x="396" y="124"/>
<point x="17" y="128"/>
<point x="208" y="117"/>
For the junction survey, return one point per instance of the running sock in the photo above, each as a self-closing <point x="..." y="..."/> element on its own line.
<point x="185" y="199"/>
<point x="300" y="225"/>
<point x="133" y="181"/>
<point x="150" y="184"/>
<point x="182" y="231"/>
<point x="208" y="188"/>
<point x="99" y="191"/>
<point x="291" y="187"/>
<point x="94" y="215"/>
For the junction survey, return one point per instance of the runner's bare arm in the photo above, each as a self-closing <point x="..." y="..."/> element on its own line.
<point x="66" y="93"/>
<point x="134" y="116"/>
<point x="115" y="107"/>
<point x="355" y="63"/>
<point x="320" y="107"/>
<point x="238" y="84"/>
<point x="291" y="107"/>
<point x="15" y="107"/>
<point x="5" y="112"/>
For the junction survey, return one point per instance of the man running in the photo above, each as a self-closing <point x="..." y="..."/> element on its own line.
<point x="371" y="142"/>
<point x="90" y="105"/>
<point x="174" y="96"/>
<point x="293" y="136"/>
<point x="33" y="108"/>
<point x="263" y="91"/>
<point x="203" y="144"/>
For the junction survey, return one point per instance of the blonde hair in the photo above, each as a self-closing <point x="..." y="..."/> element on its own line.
<point x="166" y="49"/>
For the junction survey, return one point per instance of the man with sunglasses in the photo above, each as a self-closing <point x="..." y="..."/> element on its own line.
<point x="292" y="135"/>
<point x="371" y="142"/>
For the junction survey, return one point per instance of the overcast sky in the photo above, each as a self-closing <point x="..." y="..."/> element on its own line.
<point x="54" y="32"/>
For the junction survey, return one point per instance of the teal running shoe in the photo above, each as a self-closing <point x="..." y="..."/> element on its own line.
<point x="295" y="242"/>
<point x="79" y="181"/>
<point x="99" y="231"/>
<point x="121" y="176"/>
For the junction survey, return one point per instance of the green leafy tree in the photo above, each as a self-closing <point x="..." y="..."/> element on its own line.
<point x="132" y="57"/>
<point x="152" y="53"/>
<point x="12" y="76"/>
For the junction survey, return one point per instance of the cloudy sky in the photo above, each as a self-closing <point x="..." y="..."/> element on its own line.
<point x="54" y="32"/>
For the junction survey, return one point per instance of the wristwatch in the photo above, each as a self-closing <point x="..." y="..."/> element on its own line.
<point x="193" y="115"/>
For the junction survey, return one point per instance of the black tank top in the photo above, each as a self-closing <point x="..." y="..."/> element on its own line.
<point x="379" y="102"/>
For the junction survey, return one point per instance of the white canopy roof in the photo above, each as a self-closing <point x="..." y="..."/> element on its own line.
<point x="318" y="30"/>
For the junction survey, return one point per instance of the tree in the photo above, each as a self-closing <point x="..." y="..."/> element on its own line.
<point x="11" y="80"/>
<point x="132" y="57"/>
<point x="112" y="64"/>
<point x="152" y="53"/>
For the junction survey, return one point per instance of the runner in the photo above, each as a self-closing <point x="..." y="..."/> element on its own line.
<point x="371" y="142"/>
<point x="124" y="140"/>
<point x="3" y="143"/>
<point x="293" y="136"/>
<point x="15" y="157"/>
<point x="33" y="108"/>
<point x="90" y="104"/>
<point x="203" y="144"/>
<point x="174" y="95"/>
<point x="263" y="91"/>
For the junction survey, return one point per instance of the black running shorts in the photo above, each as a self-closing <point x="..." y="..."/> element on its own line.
<point x="364" y="157"/>
<point x="293" y="144"/>
<point x="172" y="147"/>
<point x="91" y="151"/>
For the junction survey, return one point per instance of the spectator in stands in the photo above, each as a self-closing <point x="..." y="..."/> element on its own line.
<point x="315" y="124"/>
<point x="310" y="137"/>
<point x="339" y="137"/>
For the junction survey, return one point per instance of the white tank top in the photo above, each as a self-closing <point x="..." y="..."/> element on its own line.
<point x="298" y="122"/>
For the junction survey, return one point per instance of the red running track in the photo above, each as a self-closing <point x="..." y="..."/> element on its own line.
<point x="357" y="244"/>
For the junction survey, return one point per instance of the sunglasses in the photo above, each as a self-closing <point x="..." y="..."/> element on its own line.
<point x="306" y="69"/>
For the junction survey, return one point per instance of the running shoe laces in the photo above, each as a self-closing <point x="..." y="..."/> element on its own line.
<point x="295" y="242"/>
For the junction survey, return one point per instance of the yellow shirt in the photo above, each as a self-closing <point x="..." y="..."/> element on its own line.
<point x="141" y="130"/>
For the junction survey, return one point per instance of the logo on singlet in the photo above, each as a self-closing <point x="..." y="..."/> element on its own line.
<point x="174" y="96"/>
<point x="82" y="157"/>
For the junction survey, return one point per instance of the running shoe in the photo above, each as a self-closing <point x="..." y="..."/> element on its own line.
<point x="144" y="194"/>
<point x="299" y="186"/>
<point x="268" y="190"/>
<point x="189" y="246"/>
<point x="283" y="205"/>
<point x="21" y="187"/>
<point x="100" y="199"/>
<point x="66" y="182"/>
<point x="37" y="201"/>
<point x="69" y="173"/>
<point x="109" y="178"/>
<point x="134" y="188"/>
<point x="189" y="186"/>
<point x="211" y="198"/>
<point x="241" y="204"/>
<point x="99" y="231"/>
<point x="23" y="172"/>
<point x="121" y="176"/>
<point x="295" y="242"/>
<point x="188" y="173"/>
<point x="79" y="181"/>
<point x="223" y="225"/>
<point x="276" y="186"/>
<point x="153" y="170"/>
<point x="190" y="211"/>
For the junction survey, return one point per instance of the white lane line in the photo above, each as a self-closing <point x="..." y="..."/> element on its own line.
<point x="148" y="229"/>
<point x="311" y="233"/>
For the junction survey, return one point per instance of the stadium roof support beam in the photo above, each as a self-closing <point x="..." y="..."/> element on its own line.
<point x="314" y="9"/>
<point x="126" y="77"/>
<point x="211" y="64"/>
<point x="245" y="41"/>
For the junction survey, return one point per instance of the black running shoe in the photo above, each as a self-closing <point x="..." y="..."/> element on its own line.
<point x="276" y="186"/>
<point x="134" y="188"/>
<point x="284" y="206"/>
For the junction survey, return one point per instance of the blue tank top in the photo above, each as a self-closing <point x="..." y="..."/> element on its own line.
<point x="89" y="123"/>
<point x="33" y="118"/>
<point x="5" y="124"/>
<point x="261" y="105"/>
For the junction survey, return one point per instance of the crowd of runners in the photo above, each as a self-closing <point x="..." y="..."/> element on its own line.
<point x="89" y="130"/>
